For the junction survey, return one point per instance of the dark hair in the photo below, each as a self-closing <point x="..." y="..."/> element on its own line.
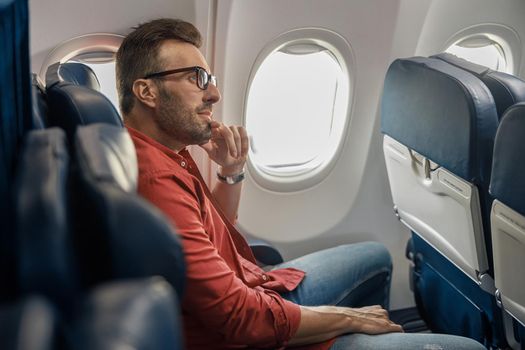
<point x="138" y="54"/>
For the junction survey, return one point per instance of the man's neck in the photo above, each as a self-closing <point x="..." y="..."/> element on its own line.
<point x="148" y="127"/>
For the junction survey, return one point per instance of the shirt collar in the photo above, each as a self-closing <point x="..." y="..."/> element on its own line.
<point x="182" y="157"/>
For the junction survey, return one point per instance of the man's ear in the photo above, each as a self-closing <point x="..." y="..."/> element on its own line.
<point x="146" y="92"/>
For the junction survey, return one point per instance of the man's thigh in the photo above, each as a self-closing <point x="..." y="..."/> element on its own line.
<point x="348" y="275"/>
<point x="405" y="341"/>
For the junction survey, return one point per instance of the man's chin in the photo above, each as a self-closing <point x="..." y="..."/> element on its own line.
<point x="206" y="138"/>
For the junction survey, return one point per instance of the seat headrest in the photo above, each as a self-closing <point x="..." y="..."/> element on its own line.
<point x="39" y="104"/>
<point x="474" y="68"/>
<point x="506" y="89"/>
<point x="508" y="171"/>
<point x="109" y="154"/>
<point x="442" y="112"/>
<point x="71" y="105"/>
<point x="73" y="73"/>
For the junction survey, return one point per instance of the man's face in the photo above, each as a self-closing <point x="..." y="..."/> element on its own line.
<point x="184" y="110"/>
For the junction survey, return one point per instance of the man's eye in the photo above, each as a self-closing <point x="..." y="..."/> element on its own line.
<point x="193" y="78"/>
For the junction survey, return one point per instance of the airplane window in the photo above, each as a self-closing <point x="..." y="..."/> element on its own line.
<point x="482" y="50"/>
<point x="296" y="110"/>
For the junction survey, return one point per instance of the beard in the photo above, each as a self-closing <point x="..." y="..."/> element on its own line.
<point x="180" y="121"/>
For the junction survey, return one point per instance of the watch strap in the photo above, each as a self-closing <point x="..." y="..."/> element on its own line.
<point x="232" y="179"/>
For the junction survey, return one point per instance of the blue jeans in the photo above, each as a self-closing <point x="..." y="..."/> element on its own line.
<point x="357" y="275"/>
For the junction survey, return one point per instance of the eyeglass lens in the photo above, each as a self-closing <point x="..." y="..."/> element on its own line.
<point x="203" y="79"/>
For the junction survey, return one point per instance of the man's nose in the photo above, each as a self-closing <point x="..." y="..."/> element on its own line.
<point x="212" y="94"/>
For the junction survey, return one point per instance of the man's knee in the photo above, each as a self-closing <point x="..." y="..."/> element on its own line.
<point x="373" y="253"/>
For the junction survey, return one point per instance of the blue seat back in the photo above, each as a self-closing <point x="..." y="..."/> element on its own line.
<point x="429" y="106"/>
<point x="122" y="236"/>
<point x="439" y="123"/>
<point x="508" y="170"/>
<point x="73" y="98"/>
<point x="508" y="212"/>
<point x="45" y="248"/>
<point x="445" y="121"/>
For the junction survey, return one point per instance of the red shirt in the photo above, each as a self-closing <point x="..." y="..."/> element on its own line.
<point x="229" y="302"/>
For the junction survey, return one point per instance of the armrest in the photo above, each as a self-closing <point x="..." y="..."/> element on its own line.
<point x="264" y="252"/>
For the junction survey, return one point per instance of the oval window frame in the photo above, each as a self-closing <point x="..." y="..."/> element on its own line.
<point x="506" y="37"/>
<point x="341" y="50"/>
<point x="88" y="44"/>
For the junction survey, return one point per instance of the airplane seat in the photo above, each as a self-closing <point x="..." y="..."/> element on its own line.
<point x="28" y="324"/>
<point x="44" y="243"/>
<point x="506" y="89"/>
<point x="75" y="73"/>
<point x="439" y="124"/>
<point x="66" y="85"/>
<point x="47" y="263"/>
<point x="508" y="214"/>
<point x="264" y="252"/>
<point x="120" y="235"/>
<point x="44" y="269"/>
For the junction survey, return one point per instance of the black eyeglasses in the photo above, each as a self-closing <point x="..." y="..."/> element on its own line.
<point x="203" y="77"/>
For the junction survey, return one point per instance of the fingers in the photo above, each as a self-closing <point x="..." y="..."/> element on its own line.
<point x="378" y="326"/>
<point x="371" y="324"/>
<point x="236" y="142"/>
<point x="245" y="141"/>
<point x="234" y="137"/>
<point x="371" y="320"/>
<point x="374" y="310"/>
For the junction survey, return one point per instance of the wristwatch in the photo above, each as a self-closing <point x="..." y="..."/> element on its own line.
<point x="232" y="179"/>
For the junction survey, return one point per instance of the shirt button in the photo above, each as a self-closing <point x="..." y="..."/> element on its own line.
<point x="265" y="278"/>
<point x="183" y="164"/>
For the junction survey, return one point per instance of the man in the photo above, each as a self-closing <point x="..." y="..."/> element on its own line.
<point x="166" y="98"/>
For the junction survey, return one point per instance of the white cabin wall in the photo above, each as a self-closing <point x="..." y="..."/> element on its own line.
<point x="252" y="24"/>
<point x="353" y="203"/>
<point x="54" y="21"/>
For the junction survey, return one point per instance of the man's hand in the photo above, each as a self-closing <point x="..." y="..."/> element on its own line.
<point x="228" y="147"/>
<point x="320" y="323"/>
<point x="369" y="319"/>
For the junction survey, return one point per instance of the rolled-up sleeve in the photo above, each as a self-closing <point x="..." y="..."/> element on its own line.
<point x="216" y="296"/>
